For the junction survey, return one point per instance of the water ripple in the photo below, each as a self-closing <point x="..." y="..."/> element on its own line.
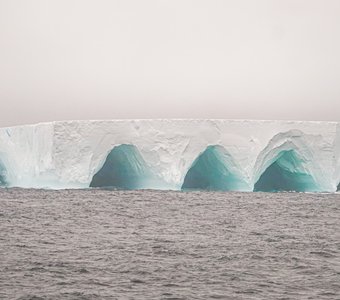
<point x="102" y="244"/>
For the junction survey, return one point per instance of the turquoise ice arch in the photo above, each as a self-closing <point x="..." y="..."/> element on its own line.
<point x="287" y="164"/>
<point x="214" y="169"/>
<point x="286" y="173"/>
<point x="124" y="168"/>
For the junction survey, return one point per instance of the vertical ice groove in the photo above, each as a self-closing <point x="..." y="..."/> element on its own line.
<point x="3" y="174"/>
<point x="336" y="157"/>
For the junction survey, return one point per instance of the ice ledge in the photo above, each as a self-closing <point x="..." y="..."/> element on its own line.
<point x="171" y="120"/>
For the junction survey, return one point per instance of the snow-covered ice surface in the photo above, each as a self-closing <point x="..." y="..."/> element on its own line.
<point x="68" y="154"/>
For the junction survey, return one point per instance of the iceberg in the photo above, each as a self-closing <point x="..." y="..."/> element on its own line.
<point x="176" y="154"/>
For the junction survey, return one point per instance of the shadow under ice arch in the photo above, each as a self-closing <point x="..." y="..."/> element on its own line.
<point x="286" y="164"/>
<point x="124" y="168"/>
<point x="215" y="169"/>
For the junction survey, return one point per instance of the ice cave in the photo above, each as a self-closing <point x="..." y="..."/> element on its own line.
<point x="124" y="168"/>
<point x="286" y="173"/>
<point x="214" y="169"/>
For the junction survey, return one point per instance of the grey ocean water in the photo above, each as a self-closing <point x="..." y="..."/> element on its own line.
<point x="97" y="244"/>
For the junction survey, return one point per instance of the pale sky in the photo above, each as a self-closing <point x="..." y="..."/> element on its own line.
<point x="108" y="59"/>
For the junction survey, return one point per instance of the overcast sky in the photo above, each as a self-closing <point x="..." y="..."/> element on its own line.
<point x="107" y="59"/>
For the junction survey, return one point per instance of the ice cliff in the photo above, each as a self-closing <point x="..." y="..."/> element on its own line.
<point x="240" y="155"/>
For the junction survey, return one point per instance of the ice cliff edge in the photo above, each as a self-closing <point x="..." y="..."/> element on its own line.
<point x="240" y="155"/>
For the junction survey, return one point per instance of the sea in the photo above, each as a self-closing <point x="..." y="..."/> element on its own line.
<point x="106" y="244"/>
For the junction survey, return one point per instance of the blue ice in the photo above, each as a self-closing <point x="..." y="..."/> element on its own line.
<point x="287" y="173"/>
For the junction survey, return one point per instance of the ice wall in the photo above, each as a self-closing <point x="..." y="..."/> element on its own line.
<point x="68" y="154"/>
